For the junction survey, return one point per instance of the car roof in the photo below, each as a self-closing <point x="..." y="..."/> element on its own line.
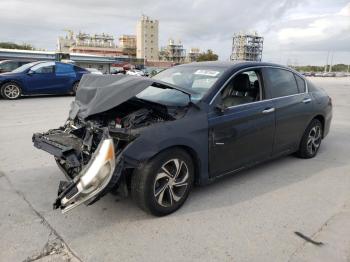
<point x="16" y="60"/>
<point x="230" y="64"/>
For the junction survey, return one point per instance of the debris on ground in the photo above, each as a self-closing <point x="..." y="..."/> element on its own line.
<point x="308" y="239"/>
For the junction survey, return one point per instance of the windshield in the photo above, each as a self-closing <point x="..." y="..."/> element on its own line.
<point x="196" y="79"/>
<point x="24" y="67"/>
<point x="168" y="97"/>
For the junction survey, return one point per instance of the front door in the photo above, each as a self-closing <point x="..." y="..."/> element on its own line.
<point x="41" y="79"/>
<point x="243" y="133"/>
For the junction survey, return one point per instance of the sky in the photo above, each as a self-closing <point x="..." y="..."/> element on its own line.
<point x="297" y="32"/>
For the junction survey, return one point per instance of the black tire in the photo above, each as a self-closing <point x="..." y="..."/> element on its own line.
<point x="148" y="181"/>
<point x="311" y="140"/>
<point x="75" y="87"/>
<point x="11" y="91"/>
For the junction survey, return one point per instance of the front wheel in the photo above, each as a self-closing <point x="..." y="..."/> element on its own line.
<point x="11" y="91"/>
<point x="162" y="185"/>
<point x="311" y="141"/>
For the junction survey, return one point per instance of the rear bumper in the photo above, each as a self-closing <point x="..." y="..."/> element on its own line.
<point x="327" y="125"/>
<point x="328" y="119"/>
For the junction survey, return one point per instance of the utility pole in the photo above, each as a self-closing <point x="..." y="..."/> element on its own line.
<point x="326" y="66"/>
<point x="330" y="66"/>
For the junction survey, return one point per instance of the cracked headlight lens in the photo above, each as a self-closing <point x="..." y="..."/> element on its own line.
<point x="99" y="169"/>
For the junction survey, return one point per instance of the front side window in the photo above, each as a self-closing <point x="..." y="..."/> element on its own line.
<point x="44" y="68"/>
<point x="24" y="67"/>
<point x="243" y="88"/>
<point x="280" y="82"/>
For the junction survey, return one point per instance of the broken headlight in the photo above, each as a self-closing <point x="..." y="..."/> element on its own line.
<point x="92" y="179"/>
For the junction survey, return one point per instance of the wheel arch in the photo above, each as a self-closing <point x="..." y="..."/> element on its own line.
<point x="12" y="81"/>
<point x="195" y="160"/>
<point x="9" y="81"/>
<point x="320" y="118"/>
<point x="197" y="163"/>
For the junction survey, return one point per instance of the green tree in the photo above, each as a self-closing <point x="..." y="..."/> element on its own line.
<point x="11" y="45"/>
<point x="207" y="56"/>
<point x="311" y="68"/>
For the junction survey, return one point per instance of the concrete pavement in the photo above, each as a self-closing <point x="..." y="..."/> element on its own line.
<point x="251" y="216"/>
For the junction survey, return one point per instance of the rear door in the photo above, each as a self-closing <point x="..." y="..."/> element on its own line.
<point x="66" y="77"/>
<point x="292" y="105"/>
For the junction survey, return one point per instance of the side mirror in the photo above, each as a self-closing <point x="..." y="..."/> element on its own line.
<point x="220" y="108"/>
<point x="31" y="72"/>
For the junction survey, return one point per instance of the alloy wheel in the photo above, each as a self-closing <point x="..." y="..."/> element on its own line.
<point x="314" y="139"/>
<point x="171" y="182"/>
<point x="11" y="91"/>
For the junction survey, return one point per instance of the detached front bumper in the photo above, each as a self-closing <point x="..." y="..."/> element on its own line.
<point x="88" y="185"/>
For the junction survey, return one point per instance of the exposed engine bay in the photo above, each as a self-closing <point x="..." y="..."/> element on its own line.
<point x="104" y="119"/>
<point x="79" y="138"/>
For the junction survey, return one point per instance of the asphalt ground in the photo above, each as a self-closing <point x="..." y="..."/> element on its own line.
<point x="251" y="216"/>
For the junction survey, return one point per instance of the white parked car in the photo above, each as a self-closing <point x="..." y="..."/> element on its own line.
<point x="135" y="72"/>
<point x="94" y="71"/>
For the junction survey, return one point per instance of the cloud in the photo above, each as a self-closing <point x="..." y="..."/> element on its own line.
<point x="287" y="24"/>
<point x="323" y="32"/>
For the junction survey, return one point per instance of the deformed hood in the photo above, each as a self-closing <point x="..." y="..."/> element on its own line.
<point x="99" y="93"/>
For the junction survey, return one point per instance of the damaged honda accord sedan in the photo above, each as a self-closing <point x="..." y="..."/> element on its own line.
<point x="190" y="124"/>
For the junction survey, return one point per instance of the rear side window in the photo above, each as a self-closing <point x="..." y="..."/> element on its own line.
<point x="301" y="84"/>
<point x="64" y="68"/>
<point x="281" y="82"/>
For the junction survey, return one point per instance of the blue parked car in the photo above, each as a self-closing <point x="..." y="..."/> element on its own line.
<point x="41" y="78"/>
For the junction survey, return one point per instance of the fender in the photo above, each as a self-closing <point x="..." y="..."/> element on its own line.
<point x="191" y="132"/>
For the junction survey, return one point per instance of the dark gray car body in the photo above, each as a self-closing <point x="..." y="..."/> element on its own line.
<point x="220" y="140"/>
<point x="203" y="128"/>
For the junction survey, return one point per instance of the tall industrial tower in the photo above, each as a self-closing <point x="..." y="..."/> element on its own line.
<point x="247" y="47"/>
<point x="147" y="39"/>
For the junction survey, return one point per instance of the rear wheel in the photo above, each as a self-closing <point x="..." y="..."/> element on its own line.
<point x="311" y="141"/>
<point x="75" y="87"/>
<point x="163" y="184"/>
<point x="11" y="91"/>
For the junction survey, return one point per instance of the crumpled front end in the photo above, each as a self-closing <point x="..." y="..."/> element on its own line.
<point x="104" y="120"/>
<point x="89" y="162"/>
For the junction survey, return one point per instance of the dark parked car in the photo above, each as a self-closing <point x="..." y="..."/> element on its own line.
<point x="41" y="78"/>
<point x="190" y="124"/>
<point x="9" y="65"/>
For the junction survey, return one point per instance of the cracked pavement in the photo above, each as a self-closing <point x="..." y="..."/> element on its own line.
<point x="251" y="216"/>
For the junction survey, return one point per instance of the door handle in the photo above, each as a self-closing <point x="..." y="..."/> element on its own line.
<point x="268" y="110"/>
<point x="306" y="100"/>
